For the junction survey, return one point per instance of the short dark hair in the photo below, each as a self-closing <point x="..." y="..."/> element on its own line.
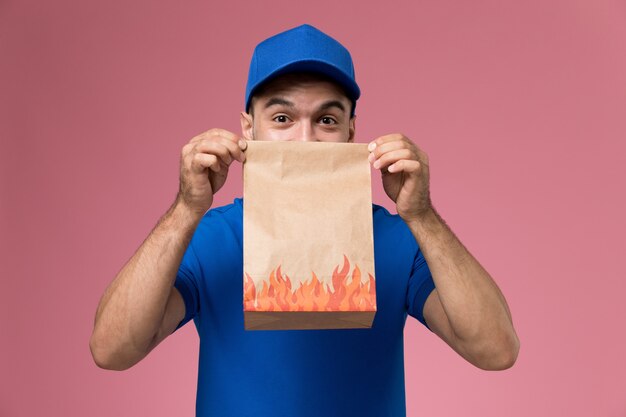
<point x="299" y="75"/>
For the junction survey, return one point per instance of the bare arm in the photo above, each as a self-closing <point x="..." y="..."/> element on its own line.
<point x="141" y="307"/>
<point x="132" y="308"/>
<point x="467" y="309"/>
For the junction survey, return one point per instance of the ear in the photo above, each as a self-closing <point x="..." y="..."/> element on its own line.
<point x="351" y="129"/>
<point x="246" y="125"/>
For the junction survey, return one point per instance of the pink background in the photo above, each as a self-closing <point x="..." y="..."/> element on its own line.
<point x="521" y="107"/>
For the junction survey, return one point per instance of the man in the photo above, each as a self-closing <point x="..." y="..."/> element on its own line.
<point x="301" y="87"/>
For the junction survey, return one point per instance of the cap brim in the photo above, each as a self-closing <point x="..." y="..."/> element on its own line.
<point x="313" y="65"/>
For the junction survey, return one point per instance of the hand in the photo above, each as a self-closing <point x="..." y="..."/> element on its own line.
<point x="204" y="163"/>
<point x="405" y="174"/>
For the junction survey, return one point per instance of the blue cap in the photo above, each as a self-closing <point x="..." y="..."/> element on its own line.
<point x="303" y="48"/>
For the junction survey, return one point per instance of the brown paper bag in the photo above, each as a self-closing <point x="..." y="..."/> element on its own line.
<point x="307" y="236"/>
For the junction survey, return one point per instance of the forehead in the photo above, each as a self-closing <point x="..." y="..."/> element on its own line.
<point x="309" y="87"/>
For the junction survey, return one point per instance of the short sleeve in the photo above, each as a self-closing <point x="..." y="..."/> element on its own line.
<point x="186" y="283"/>
<point x="420" y="286"/>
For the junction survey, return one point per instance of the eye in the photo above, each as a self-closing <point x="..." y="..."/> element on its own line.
<point x="328" y="120"/>
<point x="281" y="119"/>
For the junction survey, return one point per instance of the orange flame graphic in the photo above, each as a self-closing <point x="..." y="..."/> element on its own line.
<point x="278" y="295"/>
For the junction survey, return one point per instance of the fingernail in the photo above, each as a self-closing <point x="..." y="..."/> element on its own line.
<point x="371" y="146"/>
<point x="242" y="144"/>
<point x="371" y="157"/>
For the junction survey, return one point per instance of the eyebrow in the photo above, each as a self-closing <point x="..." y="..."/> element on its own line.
<point x="333" y="103"/>
<point x="279" y="101"/>
<point x="275" y="101"/>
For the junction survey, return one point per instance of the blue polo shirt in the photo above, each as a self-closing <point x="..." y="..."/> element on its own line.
<point x="298" y="373"/>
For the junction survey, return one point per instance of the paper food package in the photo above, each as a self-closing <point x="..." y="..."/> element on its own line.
<point x="308" y="236"/>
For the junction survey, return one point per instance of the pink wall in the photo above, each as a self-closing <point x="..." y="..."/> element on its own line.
<point x="520" y="106"/>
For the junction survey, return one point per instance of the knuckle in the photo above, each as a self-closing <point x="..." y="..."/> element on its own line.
<point x="220" y="150"/>
<point x="201" y="137"/>
<point x="219" y="133"/>
<point x="195" y="160"/>
<point x="187" y="148"/>
<point x="208" y="147"/>
<point x="230" y="144"/>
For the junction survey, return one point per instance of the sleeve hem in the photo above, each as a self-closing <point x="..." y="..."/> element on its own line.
<point x="420" y="299"/>
<point x="185" y="292"/>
